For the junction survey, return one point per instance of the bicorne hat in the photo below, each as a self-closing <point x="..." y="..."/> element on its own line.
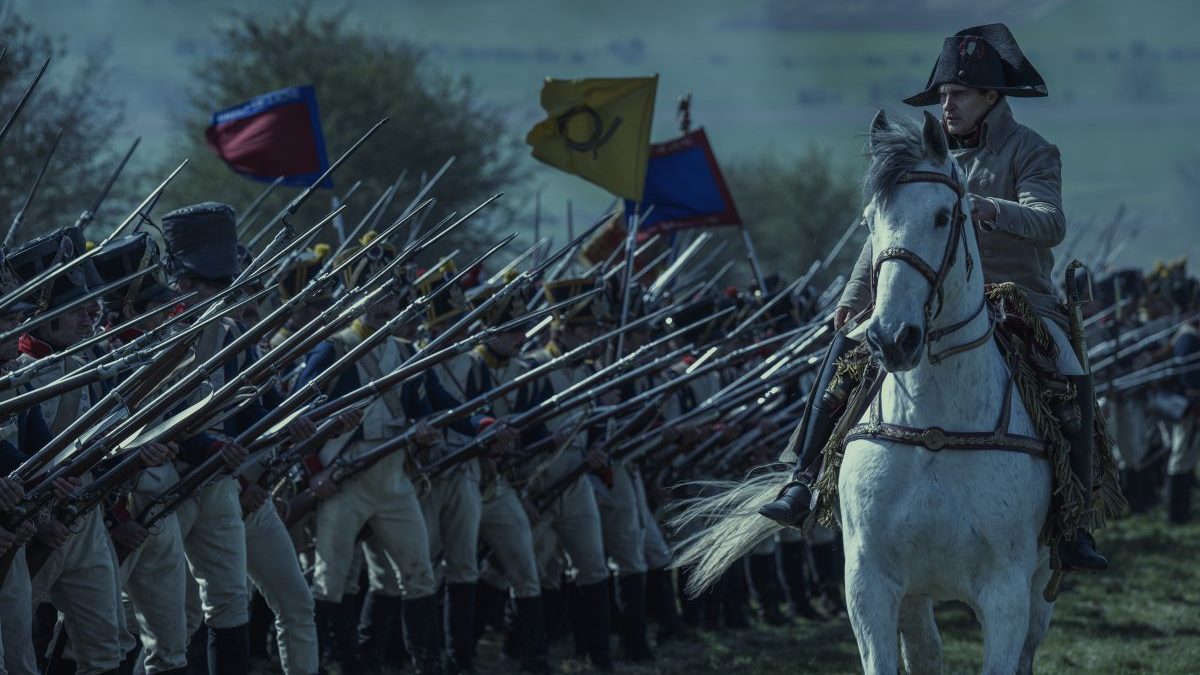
<point x="982" y="57"/>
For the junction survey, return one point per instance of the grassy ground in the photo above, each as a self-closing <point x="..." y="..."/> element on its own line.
<point x="1143" y="616"/>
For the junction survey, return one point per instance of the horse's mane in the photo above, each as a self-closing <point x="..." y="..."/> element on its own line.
<point x="894" y="148"/>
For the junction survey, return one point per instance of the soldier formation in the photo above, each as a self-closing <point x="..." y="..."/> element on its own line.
<point x="362" y="456"/>
<point x="332" y="456"/>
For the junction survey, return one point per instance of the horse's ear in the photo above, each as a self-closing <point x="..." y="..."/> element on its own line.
<point x="935" y="138"/>
<point x="878" y="124"/>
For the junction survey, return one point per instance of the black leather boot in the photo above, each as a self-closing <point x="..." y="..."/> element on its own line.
<point x="794" y="503"/>
<point x="229" y="650"/>
<point x="631" y="598"/>
<point x="197" y="651"/>
<point x="489" y="608"/>
<point x="828" y="566"/>
<point x="794" y="555"/>
<point x="1179" y="498"/>
<point x="376" y="626"/>
<point x="529" y="624"/>
<point x="1079" y="553"/>
<point x="594" y="618"/>
<point x="764" y="576"/>
<point x="553" y="604"/>
<point x="460" y="627"/>
<point x="660" y="604"/>
<point x="421" y="634"/>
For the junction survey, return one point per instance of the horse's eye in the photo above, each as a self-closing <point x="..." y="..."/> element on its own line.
<point x="942" y="219"/>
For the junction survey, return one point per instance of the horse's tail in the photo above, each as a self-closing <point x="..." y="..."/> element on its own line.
<point x="722" y="524"/>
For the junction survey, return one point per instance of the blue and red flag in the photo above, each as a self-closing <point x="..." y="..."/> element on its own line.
<point x="686" y="188"/>
<point x="273" y="135"/>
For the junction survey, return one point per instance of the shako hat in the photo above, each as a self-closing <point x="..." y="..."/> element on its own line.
<point x="39" y="255"/>
<point x="201" y="241"/>
<point x="125" y="256"/>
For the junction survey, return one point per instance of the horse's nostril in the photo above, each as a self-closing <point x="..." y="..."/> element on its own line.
<point x="908" y="337"/>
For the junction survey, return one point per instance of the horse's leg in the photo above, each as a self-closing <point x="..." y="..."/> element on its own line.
<point x="1039" y="615"/>
<point x="920" y="642"/>
<point x="1002" y="608"/>
<point x="873" y="603"/>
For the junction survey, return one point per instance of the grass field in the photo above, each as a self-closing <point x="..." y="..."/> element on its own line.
<point x="1143" y="616"/>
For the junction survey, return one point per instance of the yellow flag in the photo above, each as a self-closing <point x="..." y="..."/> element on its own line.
<point x="598" y="129"/>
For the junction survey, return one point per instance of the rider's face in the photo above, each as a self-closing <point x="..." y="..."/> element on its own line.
<point x="964" y="107"/>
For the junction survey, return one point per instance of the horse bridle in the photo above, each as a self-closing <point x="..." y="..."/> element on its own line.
<point x="937" y="278"/>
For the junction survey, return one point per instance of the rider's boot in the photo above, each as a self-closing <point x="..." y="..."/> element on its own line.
<point x="793" y="504"/>
<point x="1080" y="553"/>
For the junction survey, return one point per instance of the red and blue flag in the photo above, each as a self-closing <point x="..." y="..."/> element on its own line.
<point x="273" y="135"/>
<point x="686" y="188"/>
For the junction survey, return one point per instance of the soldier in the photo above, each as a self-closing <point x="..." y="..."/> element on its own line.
<point x="384" y="496"/>
<point x="1014" y="177"/>
<point x="201" y="257"/>
<point x="16" y="605"/>
<point x="154" y="574"/>
<point x="572" y="522"/>
<point x="504" y="525"/>
<point x="80" y="576"/>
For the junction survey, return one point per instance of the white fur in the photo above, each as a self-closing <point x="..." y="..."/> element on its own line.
<point x="919" y="526"/>
<point x="951" y="525"/>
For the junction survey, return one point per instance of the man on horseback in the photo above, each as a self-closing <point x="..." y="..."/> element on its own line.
<point x="1013" y="176"/>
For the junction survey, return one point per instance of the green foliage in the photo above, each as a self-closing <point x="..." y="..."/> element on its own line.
<point x="359" y="78"/>
<point x="796" y="210"/>
<point x="82" y="104"/>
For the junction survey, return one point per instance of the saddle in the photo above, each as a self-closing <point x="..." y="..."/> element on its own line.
<point x="1048" y="396"/>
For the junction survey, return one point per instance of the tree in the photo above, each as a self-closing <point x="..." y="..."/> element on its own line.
<point x="87" y="154"/>
<point x="359" y="78"/>
<point x="796" y="210"/>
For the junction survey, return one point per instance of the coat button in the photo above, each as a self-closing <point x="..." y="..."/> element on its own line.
<point x="987" y="252"/>
<point x="984" y="182"/>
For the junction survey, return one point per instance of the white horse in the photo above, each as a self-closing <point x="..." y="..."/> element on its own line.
<point x="930" y="508"/>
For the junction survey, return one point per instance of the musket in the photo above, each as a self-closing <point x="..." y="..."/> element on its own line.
<point x="246" y="216"/>
<point x="12" y="117"/>
<point x="426" y="186"/>
<point x="795" y="286"/>
<point x="353" y="235"/>
<point x="561" y="398"/>
<point x="841" y="243"/>
<point x="637" y="420"/>
<point x="46" y="276"/>
<point x="338" y="405"/>
<point x="294" y="205"/>
<point x="273" y="468"/>
<point x="447" y="417"/>
<point x="37" y="181"/>
<point x="344" y="469"/>
<point x="90" y="296"/>
<point x="660" y="283"/>
<point x="86" y="217"/>
<point x="299" y="342"/>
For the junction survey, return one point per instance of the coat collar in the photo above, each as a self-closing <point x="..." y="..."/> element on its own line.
<point x="998" y="125"/>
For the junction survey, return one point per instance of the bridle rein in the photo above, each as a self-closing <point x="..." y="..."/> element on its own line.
<point x="936" y="438"/>
<point x="937" y="278"/>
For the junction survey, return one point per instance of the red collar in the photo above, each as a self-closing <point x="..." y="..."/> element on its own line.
<point x="27" y="344"/>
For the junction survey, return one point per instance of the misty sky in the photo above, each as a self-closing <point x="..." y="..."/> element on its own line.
<point x="768" y="76"/>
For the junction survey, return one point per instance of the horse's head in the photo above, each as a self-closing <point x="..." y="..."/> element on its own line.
<point x="918" y="218"/>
